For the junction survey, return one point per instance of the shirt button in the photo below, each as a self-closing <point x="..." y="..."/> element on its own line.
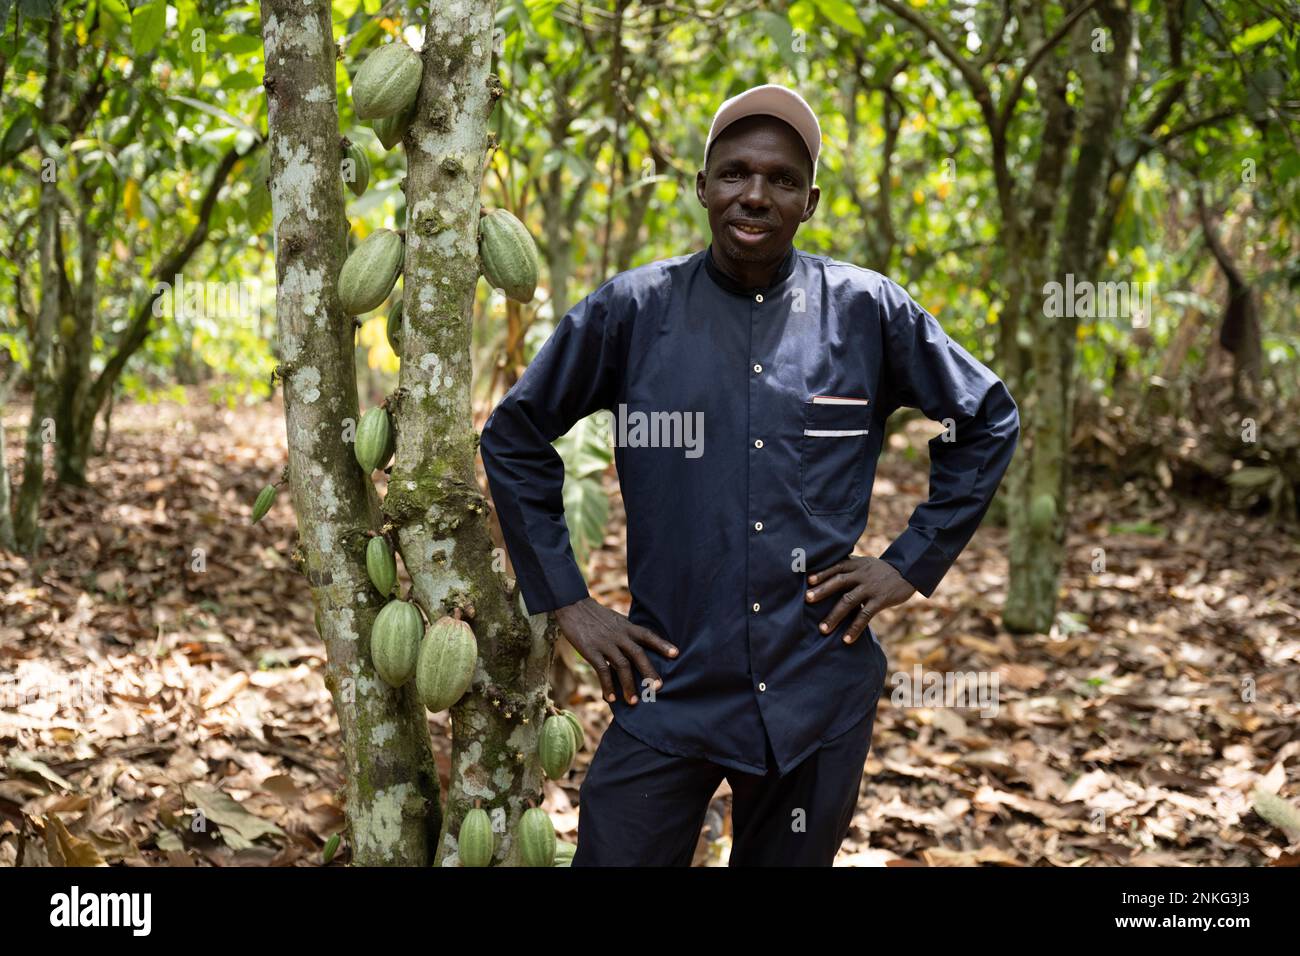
<point x="756" y="607"/>
<point x="758" y="443"/>
<point x="762" y="686"/>
<point x="758" y="526"/>
<point x="758" y="368"/>
<point x="758" y="298"/>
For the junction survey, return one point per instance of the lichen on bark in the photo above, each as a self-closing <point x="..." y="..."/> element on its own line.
<point x="434" y="499"/>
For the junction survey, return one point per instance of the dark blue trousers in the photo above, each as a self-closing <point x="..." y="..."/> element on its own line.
<point x="639" y="806"/>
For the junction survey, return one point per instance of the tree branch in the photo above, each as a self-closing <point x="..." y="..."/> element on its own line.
<point x="138" y="330"/>
<point x="1018" y="86"/>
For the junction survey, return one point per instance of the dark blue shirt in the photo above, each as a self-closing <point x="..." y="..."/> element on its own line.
<point x="747" y="424"/>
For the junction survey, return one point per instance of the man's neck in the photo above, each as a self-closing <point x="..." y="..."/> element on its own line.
<point x="744" y="276"/>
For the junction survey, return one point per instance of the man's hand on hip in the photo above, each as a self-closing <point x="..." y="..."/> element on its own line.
<point x="869" y="585"/>
<point x="609" y="642"/>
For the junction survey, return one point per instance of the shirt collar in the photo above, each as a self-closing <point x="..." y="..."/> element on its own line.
<point x="731" y="285"/>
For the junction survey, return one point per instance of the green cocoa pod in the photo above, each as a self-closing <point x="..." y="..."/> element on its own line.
<point x="391" y="129"/>
<point x="395" y="642"/>
<point x="265" y="498"/>
<point x="579" y="738"/>
<point x="476" y="840"/>
<point x="1042" y="512"/>
<point x="537" y="838"/>
<point x="508" y="255"/>
<point x="381" y="564"/>
<point x="356" y="169"/>
<point x="564" y="853"/>
<point x="331" y="847"/>
<point x="387" y="82"/>
<point x="374" y="443"/>
<point x="371" y="270"/>
<point x="448" y="654"/>
<point x="394" y="328"/>
<point x="555" y="747"/>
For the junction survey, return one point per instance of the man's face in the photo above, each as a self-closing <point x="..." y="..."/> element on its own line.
<point x="756" y="189"/>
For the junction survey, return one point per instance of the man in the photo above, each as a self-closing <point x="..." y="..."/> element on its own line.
<point x="790" y="363"/>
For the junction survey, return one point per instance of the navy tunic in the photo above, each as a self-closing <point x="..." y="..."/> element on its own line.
<point x="747" y="424"/>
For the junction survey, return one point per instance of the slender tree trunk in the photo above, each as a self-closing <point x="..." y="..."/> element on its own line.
<point x="73" y="447"/>
<point x="1041" y="482"/>
<point x="40" y="426"/>
<point x="96" y="394"/>
<point x="1031" y="592"/>
<point x="7" y="539"/>
<point x="392" y="783"/>
<point x="433" y="497"/>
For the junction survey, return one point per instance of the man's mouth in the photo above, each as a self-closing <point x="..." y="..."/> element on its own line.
<point x="750" y="232"/>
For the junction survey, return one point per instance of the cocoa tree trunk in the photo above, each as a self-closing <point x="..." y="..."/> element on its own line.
<point x="1038" y="549"/>
<point x="433" y="495"/>
<point x="392" y="784"/>
<point x="40" y="426"/>
<point x="72" y="449"/>
<point x="8" y="376"/>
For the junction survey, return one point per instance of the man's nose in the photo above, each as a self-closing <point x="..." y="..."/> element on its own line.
<point x="755" y="192"/>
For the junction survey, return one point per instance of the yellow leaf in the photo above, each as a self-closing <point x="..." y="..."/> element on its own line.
<point x="131" y="199"/>
<point x="918" y="197"/>
<point x="943" y="189"/>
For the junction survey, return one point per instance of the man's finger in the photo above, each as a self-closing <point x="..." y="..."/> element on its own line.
<point x="633" y="650"/>
<point x="860" y="622"/>
<point x="843" y="606"/>
<point x="829" y="584"/>
<point x="818" y="576"/>
<point x="624" y="670"/>
<point x="606" y="677"/>
<point x="649" y="638"/>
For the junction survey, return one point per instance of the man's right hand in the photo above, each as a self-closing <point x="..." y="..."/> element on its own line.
<point x="606" y="640"/>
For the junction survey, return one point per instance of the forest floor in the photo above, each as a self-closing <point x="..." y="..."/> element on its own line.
<point x="160" y="657"/>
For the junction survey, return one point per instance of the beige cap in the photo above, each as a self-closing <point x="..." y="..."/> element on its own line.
<point x="771" y="99"/>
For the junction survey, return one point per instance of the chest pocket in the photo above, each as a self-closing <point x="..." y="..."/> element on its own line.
<point x="833" y="456"/>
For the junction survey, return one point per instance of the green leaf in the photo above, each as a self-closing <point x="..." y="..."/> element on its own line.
<point x="842" y="14"/>
<point x="190" y="22"/>
<point x="15" y="134"/>
<point x="147" y="24"/>
<point x="1256" y="35"/>
<point x="216" y="111"/>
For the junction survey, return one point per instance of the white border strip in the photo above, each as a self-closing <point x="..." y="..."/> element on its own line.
<point x="835" y="432"/>
<point x="837" y="400"/>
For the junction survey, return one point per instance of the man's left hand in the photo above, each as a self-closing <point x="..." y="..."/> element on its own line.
<point x="870" y="586"/>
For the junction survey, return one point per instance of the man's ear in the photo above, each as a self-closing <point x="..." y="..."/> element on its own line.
<point x="700" y="178"/>
<point x="814" y="196"/>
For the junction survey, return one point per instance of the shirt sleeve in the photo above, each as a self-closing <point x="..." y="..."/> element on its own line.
<point x="575" y="373"/>
<point x="926" y="369"/>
